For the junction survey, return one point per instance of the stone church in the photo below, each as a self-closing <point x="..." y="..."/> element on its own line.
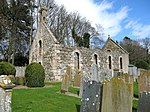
<point x="55" y="57"/>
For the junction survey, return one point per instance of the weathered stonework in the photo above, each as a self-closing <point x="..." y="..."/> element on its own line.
<point x="55" y="57"/>
<point x="5" y="93"/>
<point x="144" y="82"/>
<point x="117" y="96"/>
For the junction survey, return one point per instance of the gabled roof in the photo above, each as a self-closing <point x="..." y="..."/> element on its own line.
<point x="110" y="40"/>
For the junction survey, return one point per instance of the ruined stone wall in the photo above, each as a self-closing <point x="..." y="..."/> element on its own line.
<point x="58" y="57"/>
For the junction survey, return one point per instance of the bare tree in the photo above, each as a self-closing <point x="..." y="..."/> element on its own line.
<point x="62" y="22"/>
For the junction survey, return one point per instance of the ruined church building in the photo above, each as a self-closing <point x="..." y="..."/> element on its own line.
<point x="55" y="57"/>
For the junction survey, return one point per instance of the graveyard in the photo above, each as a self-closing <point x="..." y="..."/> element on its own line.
<point x="77" y="93"/>
<point x="50" y="69"/>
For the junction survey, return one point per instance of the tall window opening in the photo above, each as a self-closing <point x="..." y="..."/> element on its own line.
<point x="121" y="63"/>
<point x="109" y="59"/>
<point x="95" y="58"/>
<point x="40" y="47"/>
<point x="77" y="64"/>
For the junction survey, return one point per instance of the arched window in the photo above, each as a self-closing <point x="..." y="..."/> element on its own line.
<point x="40" y="46"/>
<point x="77" y="63"/>
<point x="108" y="50"/>
<point x="121" y="63"/>
<point x="109" y="59"/>
<point x="95" y="58"/>
<point x="40" y="43"/>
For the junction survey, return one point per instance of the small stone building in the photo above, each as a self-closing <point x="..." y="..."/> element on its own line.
<point x="55" y="57"/>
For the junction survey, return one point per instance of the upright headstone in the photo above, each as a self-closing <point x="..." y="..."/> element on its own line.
<point x="77" y="78"/>
<point x="144" y="102"/>
<point x="5" y="93"/>
<point x="127" y="78"/>
<point x="116" y="73"/>
<point x="68" y="71"/>
<point x="144" y="82"/>
<point x="65" y="84"/>
<point x="117" y="96"/>
<point x="66" y="80"/>
<point x="94" y="70"/>
<point x="91" y="98"/>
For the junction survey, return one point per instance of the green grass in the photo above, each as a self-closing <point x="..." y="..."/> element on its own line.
<point x="136" y="89"/>
<point x="74" y="90"/>
<point x="49" y="99"/>
<point x="135" y="104"/>
<point x="43" y="100"/>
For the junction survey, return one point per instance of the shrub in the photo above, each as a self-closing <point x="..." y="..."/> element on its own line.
<point x="35" y="75"/>
<point x="18" y="80"/>
<point x="142" y="64"/>
<point x="7" y="68"/>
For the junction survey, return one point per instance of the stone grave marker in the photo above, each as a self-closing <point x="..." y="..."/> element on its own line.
<point x="77" y="78"/>
<point x="91" y="98"/>
<point x="117" y="96"/>
<point x="68" y="71"/>
<point x="127" y="78"/>
<point x="116" y="72"/>
<point x="144" y="102"/>
<point x="65" y="84"/>
<point x="66" y="80"/>
<point x="144" y="82"/>
<point x="94" y="70"/>
<point x="5" y="93"/>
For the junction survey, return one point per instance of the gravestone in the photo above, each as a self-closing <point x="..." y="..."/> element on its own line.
<point x="77" y="78"/>
<point x="5" y="93"/>
<point x="68" y="71"/>
<point x="144" y="82"/>
<point x="91" y="98"/>
<point x="104" y="74"/>
<point x="65" y="83"/>
<point x="66" y="80"/>
<point x="117" y="96"/>
<point x="116" y="73"/>
<point x="127" y="78"/>
<point x="144" y="102"/>
<point x="94" y="70"/>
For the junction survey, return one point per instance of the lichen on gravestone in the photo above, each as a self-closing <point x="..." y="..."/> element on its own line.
<point x="65" y="84"/>
<point x="127" y="78"/>
<point x="5" y="93"/>
<point x="77" y="78"/>
<point x="66" y="80"/>
<point x="117" y="96"/>
<point x="144" y="82"/>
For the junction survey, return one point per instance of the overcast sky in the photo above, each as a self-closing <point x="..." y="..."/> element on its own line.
<point x="119" y="18"/>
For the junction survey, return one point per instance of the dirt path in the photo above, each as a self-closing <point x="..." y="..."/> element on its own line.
<point x="25" y="87"/>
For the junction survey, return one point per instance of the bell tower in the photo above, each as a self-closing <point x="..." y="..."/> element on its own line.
<point x="43" y="12"/>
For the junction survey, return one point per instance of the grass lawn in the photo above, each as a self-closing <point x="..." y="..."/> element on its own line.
<point x="135" y="101"/>
<point x="44" y="100"/>
<point x="49" y="99"/>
